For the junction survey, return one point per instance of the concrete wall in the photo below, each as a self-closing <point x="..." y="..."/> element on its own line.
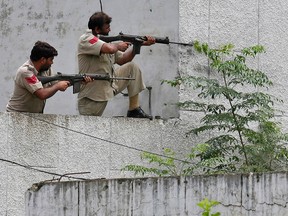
<point x="61" y="144"/>
<point x="46" y="145"/>
<point x="241" y="195"/>
<point x="61" y="23"/>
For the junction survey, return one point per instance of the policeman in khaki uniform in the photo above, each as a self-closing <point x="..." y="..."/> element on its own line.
<point x="96" y="56"/>
<point x="29" y="94"/>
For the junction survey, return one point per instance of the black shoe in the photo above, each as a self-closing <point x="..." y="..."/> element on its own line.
<point x="138" y="113"/>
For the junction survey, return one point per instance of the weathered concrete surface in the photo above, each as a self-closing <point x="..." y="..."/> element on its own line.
<point x="61" y="144"/>
<point x="242" y="23"/>
<point x="241" y="195"/>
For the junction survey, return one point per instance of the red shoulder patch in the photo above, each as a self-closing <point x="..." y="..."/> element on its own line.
<point x="31" y="80"/>
<point x="93" y="40"/>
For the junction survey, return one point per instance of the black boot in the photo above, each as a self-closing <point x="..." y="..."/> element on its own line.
<point x="138" y="113"/>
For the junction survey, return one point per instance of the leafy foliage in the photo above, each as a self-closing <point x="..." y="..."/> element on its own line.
<point x="168" y="165"/>
<point x="207" y="205"/>
<point x="246" y="139"/>
<point x="167" y="162"/>
<point x="237" y="115"/>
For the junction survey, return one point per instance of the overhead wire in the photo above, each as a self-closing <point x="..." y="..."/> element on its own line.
<point x="105" y="140"/>
<point x="84" y="134"/>
<point x="101" y="5"/>
<point x="42" y="171"/>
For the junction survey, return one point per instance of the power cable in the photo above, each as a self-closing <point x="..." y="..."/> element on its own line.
<point x="43" y="171"/>
<point x="109" y="141"/>
<point x="94" y="137"/>
<point x="101" y="5"/>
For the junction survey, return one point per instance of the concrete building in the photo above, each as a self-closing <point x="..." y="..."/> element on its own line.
<point x="42" y="142"/>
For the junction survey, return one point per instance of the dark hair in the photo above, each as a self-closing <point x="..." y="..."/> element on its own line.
<point x="42" y="49"/>
<point x="98" y="19"/>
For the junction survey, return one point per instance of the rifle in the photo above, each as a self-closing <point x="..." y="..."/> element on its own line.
<point x="76" y="79"/>
<point x="137" y="40"/>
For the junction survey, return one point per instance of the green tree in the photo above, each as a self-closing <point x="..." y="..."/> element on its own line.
<point x="247" y="139"/>
<point x="239" y="114"/>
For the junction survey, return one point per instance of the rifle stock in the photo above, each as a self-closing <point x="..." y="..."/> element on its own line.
<point x="76" y="79"/>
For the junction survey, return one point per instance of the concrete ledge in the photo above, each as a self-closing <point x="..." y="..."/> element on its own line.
<point x="247" y="195"/>
<point x="98" y="147"/>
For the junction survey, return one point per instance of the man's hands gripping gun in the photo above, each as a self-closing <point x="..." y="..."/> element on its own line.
<point x="76" y="79"/>
<point x="137" y="40"/>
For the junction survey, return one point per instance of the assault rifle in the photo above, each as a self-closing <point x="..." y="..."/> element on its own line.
<point x="137" y="40"/>
<point x="76" y="79"/>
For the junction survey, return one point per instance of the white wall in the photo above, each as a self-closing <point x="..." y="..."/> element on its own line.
<point x="27" y="141"/>
<point x="62" y="144"/>
<point x="239" y="195"/>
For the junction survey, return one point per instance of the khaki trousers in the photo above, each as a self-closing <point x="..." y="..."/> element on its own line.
<point x="86" y="106"/>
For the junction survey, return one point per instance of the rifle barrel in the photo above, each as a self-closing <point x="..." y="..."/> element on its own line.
<point x="122" y="78"/>
<point x="179" y="43"/>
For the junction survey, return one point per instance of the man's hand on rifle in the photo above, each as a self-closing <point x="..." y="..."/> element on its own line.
<point x="123" y="46"/>
<point x="87" y="79"/>
<point x="62" y="85"/>
<point x="150" y="40"/>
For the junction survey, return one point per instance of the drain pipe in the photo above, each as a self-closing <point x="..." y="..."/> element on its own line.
<point x="150" y="109"/>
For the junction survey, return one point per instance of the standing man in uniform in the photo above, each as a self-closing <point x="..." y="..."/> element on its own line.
<point x="96" y="56"/>
<point x="29" y="94"/>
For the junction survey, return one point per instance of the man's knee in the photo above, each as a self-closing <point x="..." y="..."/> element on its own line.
<point x="133" y="67"/>
<point x="87" y="106"/>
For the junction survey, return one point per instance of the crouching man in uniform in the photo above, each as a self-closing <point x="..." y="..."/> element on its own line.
<point x="29" y="94"/>
<point x="97" y="56"/>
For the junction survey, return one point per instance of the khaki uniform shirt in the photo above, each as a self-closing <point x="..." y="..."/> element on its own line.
<point x="26" y="83"/>
<point x="91" y="61"/>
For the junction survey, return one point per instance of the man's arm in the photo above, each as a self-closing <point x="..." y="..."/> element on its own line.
<point x="129" y="54"/>
<point x="44" y="93"/>
<point x="111" y="48"/>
